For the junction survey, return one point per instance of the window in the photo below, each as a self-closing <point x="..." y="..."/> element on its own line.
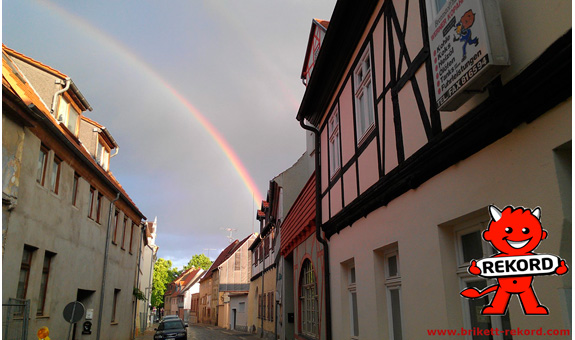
<point x="75" y="188"/>
<point x="44" y="282"/>
<point x="124" y="232"/>
<point x="42" y="164"/>
<point x="115" y="226"/>
<point x="24" y="272"/>
<point x="354" y="316"/>
<point x="115" y="305"/>
<point x="237" y="260"/>
<point x="91" y="202"/>
<point x="103" y="155"/>
<point x="131" y="237"/>
<point x="98" y="207"/>
<point x="309" y="311"/>
<point x="363" y="89"/>
<point x="470" y="246"/>
<point x="68" y="116"/>
<point x="393" y="287"/>
<point x="334" y="143"/>
<point x="55" y="179"/>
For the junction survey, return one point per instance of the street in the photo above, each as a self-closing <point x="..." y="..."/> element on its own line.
<point x="205" y="332"/>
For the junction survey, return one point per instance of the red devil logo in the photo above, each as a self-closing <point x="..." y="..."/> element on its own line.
<point x="515" y="233"/>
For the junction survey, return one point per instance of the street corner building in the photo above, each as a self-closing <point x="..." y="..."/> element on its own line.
<point x="424" y="114"/>
<point x="70" y="232"/>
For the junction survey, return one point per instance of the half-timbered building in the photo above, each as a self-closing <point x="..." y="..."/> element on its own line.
<point x="425" y="113"/>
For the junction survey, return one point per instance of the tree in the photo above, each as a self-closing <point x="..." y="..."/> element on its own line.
<point x="199" y="261"/>
<point x="163" y="274"/>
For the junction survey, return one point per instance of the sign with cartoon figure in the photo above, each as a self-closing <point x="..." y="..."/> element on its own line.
<point x="466" y="50"/>
<point x="514" y="233"/>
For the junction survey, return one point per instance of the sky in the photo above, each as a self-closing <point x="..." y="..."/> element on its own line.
<point x="201" y="97"/>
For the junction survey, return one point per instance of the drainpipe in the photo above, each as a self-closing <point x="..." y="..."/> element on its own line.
<point x="138" y="275"/>
<point x="318" y="218"/>
<point x="107" y="248"/>
<point x="68" y="81"/>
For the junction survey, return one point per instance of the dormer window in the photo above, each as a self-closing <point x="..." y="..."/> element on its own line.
<point x="103" y="154"/>
<point x="68" y="115"/>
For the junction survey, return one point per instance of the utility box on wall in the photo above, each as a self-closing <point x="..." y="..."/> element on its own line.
<point x="468" y="50"/>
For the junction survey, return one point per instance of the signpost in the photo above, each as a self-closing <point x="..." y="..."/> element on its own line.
<point x="73" y="312"/>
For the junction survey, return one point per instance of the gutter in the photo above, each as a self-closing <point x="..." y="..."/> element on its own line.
<point x="68" y="81"/>
<point x="318" y="236"/>
<point x="142" y="229"/>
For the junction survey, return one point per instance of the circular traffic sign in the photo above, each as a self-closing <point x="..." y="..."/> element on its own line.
<point x="73" y="312"/>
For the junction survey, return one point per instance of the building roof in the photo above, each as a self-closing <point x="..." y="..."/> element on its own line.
<point x="183" y="282"/>
<point x="14" y="82"/>
<point x="74" y="91"/>
<point x="224" y="255"/>
<point x="315" y="24"/>
<point x="346" y="27"/>
<point x="105" y="133"/>
<point x="299" y="223"/>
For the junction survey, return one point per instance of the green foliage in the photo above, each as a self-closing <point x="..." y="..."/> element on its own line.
<point x="139" y="294"/>
<point x="199" y="261"/>
<point x="163" y="274"/>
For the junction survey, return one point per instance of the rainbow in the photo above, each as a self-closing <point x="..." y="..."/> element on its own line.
<point x="200" y="118"/>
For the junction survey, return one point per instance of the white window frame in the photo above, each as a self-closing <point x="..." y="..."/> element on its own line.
<point x="392" y="283"/>
<point x="63" y="115"/>
<point x="309" y="301"/>
<point x="464" y="276"/>
<point x="334" y="138"/>
<point x="103" y="154"/>
<point x="363" y="96"/>
<point x="352" y="290"/>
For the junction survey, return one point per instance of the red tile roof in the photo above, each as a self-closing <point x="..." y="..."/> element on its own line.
<point x="299" y="223"/>
<point x="224" y="255"/>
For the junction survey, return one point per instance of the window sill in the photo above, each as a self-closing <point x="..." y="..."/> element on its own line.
<point x="41" y="316"/>
<point x="366" y="136"/>
<point x="114" y="323"/>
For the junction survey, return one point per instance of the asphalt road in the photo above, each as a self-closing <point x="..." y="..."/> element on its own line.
<point x="206" y="332"/>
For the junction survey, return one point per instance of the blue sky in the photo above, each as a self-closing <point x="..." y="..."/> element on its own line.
<point x="237" y="62"/>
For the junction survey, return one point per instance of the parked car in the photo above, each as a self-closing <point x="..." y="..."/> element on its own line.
<point x="171" y="317"/>
<point x="172" y="328"/>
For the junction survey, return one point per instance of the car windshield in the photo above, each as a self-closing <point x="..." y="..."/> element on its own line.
<point x="172" y="324"/>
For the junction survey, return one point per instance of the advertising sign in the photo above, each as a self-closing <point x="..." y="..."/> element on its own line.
<point x="468" y="50"/>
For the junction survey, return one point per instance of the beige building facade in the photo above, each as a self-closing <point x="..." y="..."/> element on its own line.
<point x="70" y="232"/>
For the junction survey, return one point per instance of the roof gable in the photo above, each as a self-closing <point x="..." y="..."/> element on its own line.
<point x="316" y="34"/>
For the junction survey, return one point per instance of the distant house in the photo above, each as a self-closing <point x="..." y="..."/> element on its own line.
<point x="265" y="308"/>
<point x="178" y="295"/>
<point x="234" y="284"/>
<point x="70" y="232"/>
<point x="223" y="275"/>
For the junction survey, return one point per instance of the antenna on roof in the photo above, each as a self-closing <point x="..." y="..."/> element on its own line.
<point x="230" y="237"/>
<point x="208" y="249"/>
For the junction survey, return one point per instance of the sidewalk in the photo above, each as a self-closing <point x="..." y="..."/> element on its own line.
<point x="148" y="334"/>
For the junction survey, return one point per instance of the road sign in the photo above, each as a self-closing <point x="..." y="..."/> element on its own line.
<point x="73" y="312"/>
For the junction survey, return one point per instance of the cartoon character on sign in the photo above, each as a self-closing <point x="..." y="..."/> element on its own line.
<point x="464" y="32"/>
<point x="515" y="233"/>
